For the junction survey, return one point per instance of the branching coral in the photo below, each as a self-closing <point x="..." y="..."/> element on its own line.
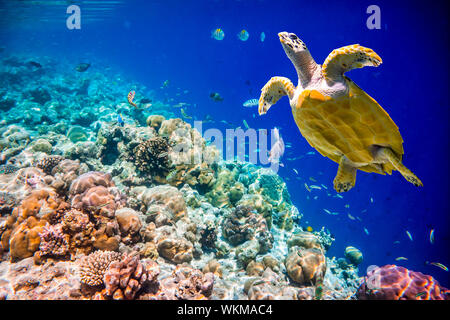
<point x="93" y="267"/>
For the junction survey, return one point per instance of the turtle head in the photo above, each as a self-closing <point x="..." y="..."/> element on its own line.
<point x="292" y="44"/>
<point x="298" y="53"/>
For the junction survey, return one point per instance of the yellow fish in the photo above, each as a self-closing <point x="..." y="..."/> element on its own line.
<point x="243" y="35"/>
<point x="218" y="34"/>
<point x="401" y="258"/>
<point x="309" y="229"/>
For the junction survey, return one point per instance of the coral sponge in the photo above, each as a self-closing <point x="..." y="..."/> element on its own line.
<point x="392" y="282"/>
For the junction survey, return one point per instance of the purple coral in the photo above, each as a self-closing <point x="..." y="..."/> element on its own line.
<point x="53" y="241"/>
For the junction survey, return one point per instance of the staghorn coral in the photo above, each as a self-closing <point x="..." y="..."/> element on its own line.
<point x="93" y="267"/>
<point x="306" y="266"/>
<point x="152" y="156"/>
<point x="391" y="282"/>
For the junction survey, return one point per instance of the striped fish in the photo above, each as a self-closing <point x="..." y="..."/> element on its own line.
<point x="130" y="98"/>
<point x="250" y="103"/>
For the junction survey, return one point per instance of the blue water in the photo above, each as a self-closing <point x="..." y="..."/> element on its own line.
<point x="153" y="41"/>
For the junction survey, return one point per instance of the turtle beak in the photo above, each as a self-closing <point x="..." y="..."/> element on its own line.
<point x="283" y="36"/>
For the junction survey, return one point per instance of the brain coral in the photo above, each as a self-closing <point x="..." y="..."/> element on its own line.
<point x="306" y="266"/>
<point x="392" y="282"/>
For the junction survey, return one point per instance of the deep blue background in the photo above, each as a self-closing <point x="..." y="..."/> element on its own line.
<point x="152" y="41"/>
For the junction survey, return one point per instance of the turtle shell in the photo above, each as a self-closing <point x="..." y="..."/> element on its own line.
<point x="347" y="125"/>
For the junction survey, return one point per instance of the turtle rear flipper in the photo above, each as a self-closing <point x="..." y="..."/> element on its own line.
<point x="275" y="88"/>
<point x="347" y="58"/>
<point x="390" y="156"/>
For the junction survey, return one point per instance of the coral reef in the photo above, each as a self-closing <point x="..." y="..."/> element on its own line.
<point x="97" y="206"/>
<point x="391" y="282"/>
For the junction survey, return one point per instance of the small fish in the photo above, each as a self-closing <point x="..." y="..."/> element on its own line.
<point x="400" y="258"/>
<point x="339" y="196"/>
<point x="359" y="219"/>
<point x="295" y="170"/>
<point x="347" y="206"/>
<point x="310" y="153"/>
<point x="307" y="188"/>
<point x="218" y="34"/>
<point x="437" y="264"/>
<point x="82" y="67"/>
<point x="366" y="231"/>
<point x="324" y="186"/>
<point x="184" y="114"/>
<point x="165" y="84"/>
<point x="327" y="211"/>
<point x="312" y="179"/>
<point x="35" y="64"/>
<point x="8" y="168"/>
<point x="120" y="120"/>
<point x="316" y="197"/>
<point x="397" y="242"/>
<point x="432" y="236"/>
<point x="250" y="103"/>
<point x="409" y="235"/>
<point x="371" y="199"/>
<point x="313" y="186"/>
<point x="350" y="216"/>
<point x="243" y="35"/>
<point x="421" y="294"/>
<point x="277" y="150"/>
<point x="262" y="36"/>
<point x="216" y="96"/>
<point x="130" y="98"/>
<point x="245" y="124"/>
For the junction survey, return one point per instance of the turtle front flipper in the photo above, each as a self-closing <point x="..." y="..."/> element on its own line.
<point x="274" y="89"/>
<point x="346" y="176"/>
<point x="389" y="155"/>
<point x="347" y="58"/>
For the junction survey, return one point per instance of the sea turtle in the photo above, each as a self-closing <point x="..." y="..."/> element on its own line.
<point x="335" y="116"/>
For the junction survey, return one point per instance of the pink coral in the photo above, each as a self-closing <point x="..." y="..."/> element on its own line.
<point x="125" y="278"/>
<point x="53" y="241"/>
<point x="392" y="282"/>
